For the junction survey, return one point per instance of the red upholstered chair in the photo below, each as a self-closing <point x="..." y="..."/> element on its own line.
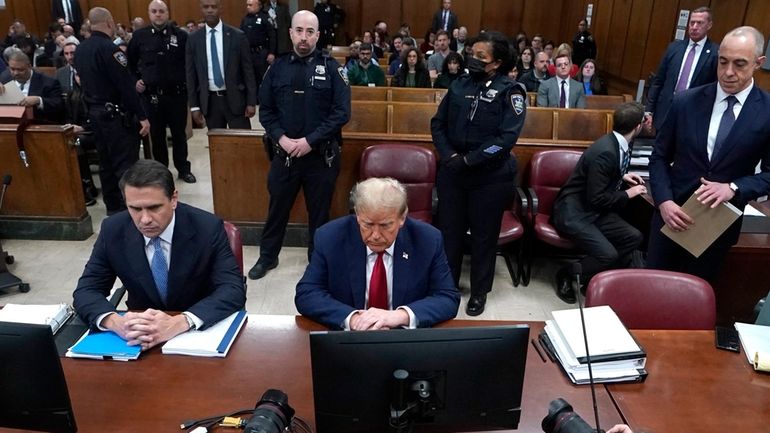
<point x="548" y="171"/>
<point x="510" y="241"/>
<point x="653" y="299"/>
<point x="414" y="166"/>
<point x="236" y="244"/>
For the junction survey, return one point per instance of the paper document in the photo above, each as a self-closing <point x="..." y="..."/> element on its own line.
<point x="752" y="211"/>
<point x="12" y="94"/>
<point x="54" y="315"/>
<point x="213" y="342"/>
<point x="103" y="345"/>
<point x="608" y="338"/>
<point x="709" y="225"/>
<point x="755" y="340"/>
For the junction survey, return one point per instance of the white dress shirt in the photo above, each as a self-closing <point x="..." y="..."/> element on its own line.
<point x="698" y="51"/>
<point x="24" y="88"/>
<point x="623" y="144"/>
<point x="220" y="55"/>
<point x="720" y="105"/>
<point x="387" y="260"/>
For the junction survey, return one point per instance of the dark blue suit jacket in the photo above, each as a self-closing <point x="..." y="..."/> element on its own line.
<point x="682" y="141"/>
<point x="334" y="284"/>
<point x="203" y="278"/>
<point x="662" y="87"/>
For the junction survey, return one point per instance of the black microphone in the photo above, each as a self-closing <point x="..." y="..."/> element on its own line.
<point x="577" y="270"/>
<point x="6" y="181"/>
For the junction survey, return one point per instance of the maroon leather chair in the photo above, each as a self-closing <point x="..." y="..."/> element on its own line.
<point x="510" y="241"/>
<point x="414" y="166"/>
<point x="548" y="171"/>
<point x="653" y="299"/>
<point x="236" y="244"/>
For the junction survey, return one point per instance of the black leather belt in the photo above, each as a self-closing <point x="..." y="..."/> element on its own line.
<point x="217" y="92"/>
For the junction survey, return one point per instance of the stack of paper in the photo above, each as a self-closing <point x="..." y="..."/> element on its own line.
<point x="615" y="355"/>
<point x="755" y="340"/>
<point x="103" y="345"/>
<point x="53" y="315"/>
<point x="214" y="341"/>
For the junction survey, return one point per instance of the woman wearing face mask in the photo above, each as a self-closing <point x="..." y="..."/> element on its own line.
<point x="474" y="130"/>
<point x="452" y="68"/>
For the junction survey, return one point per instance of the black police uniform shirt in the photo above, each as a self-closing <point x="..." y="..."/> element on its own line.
<point x="480" y="119"/>
<point x="305" y="97"/>
<point x="104" y="75"/>
<point x="157" y="56"/>
<point x="259" y="31"/>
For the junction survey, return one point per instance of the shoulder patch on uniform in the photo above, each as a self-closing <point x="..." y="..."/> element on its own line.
<point x="517" y="103"/>
<point x="343" y="75"/>
<point x="120" y="57"/>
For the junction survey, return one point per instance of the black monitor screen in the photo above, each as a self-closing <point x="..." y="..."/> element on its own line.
<point x="449" y="379"/>
<point x="33" y="392"/>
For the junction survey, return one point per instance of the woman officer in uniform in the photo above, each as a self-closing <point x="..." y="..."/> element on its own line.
<point x="474" y="130"/>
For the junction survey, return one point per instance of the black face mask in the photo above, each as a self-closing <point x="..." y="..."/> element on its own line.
<point x="476" y="68"/>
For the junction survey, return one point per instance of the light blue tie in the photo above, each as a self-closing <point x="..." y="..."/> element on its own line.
<point x="159" y="269"/>
<point x="216" y="68"/>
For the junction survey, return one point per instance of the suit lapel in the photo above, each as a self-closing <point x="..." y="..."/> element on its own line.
<point x="184" y="254"/>
<point x="35" y="84"/>
<point x="704" y="55"/>
<point x="226" y="41"/>
<point x="137" y="259"/>
<point x="747" y="117"/>
<point x="702" y="112"/>
<point x="356" y="253"/>
<point x="401" y="267"/>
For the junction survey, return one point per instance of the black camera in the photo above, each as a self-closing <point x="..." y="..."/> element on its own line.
<point x="562" y="419"/>
<point x="272" y="414"/>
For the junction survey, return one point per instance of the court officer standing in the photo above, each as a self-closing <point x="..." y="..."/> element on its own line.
<point x="261" y="35"/>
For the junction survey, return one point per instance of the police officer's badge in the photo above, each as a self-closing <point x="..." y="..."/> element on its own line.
<point x="343" y="75"/>
<point x="320" y="70"/>
<point x="491" y="93"/>
<point x="120" y="57"/>
<point x="517" y="102"/>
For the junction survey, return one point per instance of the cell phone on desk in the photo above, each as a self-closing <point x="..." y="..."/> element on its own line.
<point x="727" y="339"/>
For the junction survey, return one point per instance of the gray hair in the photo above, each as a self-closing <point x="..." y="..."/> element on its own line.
<point x="9" y="51"/>
<point x="19" y="56"/>
<point x="759" y="38"/>
<point x="379" y="193"/>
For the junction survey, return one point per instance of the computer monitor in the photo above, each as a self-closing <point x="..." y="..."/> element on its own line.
<point x="33" y="392"/>
<point x="448" y="379"/>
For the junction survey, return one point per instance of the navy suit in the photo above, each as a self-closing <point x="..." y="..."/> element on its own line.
<point x="682" y="140"/>
<point x="334" y="284"/>
<point x="662" y="88"/>
<point x="46" y="88"/>
<point x="203" y="277"/>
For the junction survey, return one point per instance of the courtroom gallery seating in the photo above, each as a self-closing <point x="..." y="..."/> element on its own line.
<point x="414" y="166"/>
<point x="653" y="299"/>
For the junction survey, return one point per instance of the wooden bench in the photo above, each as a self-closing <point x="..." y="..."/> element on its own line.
<point x="396" y="94"/>
<point x="47" y="70"/>
<point x="593" y="102"/>
<point x="44" y="200"/>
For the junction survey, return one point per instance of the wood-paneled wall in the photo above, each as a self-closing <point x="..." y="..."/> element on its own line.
<point x="631" y="34"/>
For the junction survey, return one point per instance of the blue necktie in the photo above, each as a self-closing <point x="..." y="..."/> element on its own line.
<point x="624" y="167"/>
<point x="725" y="125"/>
<point x="216" y="68"/>
<point x="159" y="269"/>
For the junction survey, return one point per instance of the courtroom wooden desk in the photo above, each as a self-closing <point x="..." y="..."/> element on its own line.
<point x="694" y="387"/>
<point x="157" y="392"/>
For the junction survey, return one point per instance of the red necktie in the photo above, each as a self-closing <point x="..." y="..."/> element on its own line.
<point x="378" y="285"/>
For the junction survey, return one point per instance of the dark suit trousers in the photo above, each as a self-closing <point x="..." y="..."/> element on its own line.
<point x="259" y="60"/>
<point x="168" y="110"/>
<point x="118" y="144"/>
<point x="219" y="115"/>
<point x="607" y="243"/>
<point x="476" y="201"/>
<point x="317" y="181"/>
<point x="663" y="253"/>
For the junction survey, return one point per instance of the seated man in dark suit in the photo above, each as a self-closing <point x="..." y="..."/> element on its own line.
<point x="586" y="209"/>
<point x="378" y="269"/>
<point x="40" y="91"/>
<point x="137" y="246"/>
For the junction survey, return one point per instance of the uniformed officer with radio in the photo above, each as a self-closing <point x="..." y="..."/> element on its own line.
<point x="113" y="105"/>
<point x="156" y="56"/>
<point x="475" y="127"/>
<point x="305" y="102"/>
<point x="261" y="35"/>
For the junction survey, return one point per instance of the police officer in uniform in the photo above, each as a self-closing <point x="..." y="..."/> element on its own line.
<point x="329" y="17"/>
<point x="156" y="56"/>
<point x="260" y="32"/>
<point x="305" y="102"/>
<point x="113" y="105"/>
<point x="475" y="127"/>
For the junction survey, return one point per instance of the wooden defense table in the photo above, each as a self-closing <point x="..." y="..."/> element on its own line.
<point x="157" y="392"/>
<point x="694" y="387"/>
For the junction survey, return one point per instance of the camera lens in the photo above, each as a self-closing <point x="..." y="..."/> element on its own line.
<point x="562" y="419"/>
<point x="272" y="413"/>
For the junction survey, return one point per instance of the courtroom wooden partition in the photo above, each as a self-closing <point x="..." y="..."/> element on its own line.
<point x="44" y="200"/>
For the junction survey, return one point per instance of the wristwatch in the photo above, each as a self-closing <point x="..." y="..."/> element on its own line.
<point x="190" y="322"/>
<point x="734" y="187"/>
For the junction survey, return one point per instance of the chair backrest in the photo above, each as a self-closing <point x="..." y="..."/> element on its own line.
<point x="548" y="171"/>
<point x="653" y="299"/>
<point x="236" y="244"/>
<point x="414" y="166"/>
